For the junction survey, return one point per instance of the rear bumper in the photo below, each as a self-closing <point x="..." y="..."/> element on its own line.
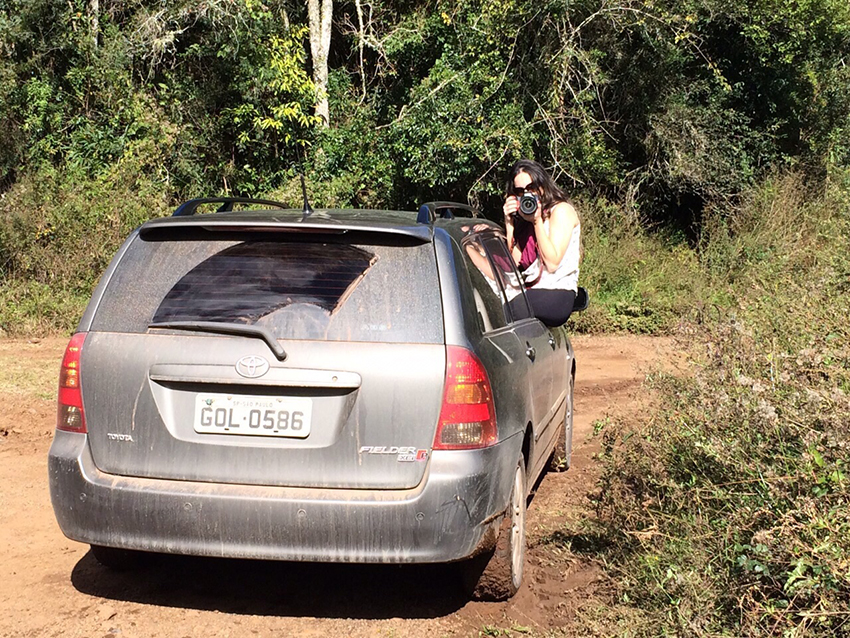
<point x="453" y="513"/>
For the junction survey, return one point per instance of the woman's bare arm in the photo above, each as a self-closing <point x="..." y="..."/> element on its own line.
<point x="553" y="245"/>
<point x="510" y="207"/>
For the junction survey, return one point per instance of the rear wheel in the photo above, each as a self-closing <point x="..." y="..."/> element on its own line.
<point x="563" y="453"/>
<point x="498" y="575"/>
<point x="116" y="558"/>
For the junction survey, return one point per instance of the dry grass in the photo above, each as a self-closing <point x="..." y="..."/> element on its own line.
<point x="31" y="367"/>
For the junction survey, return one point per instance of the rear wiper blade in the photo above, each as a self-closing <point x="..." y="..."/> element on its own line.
<point x="258" y="332"/>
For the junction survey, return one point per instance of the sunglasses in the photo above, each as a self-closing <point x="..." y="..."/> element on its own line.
<point x="521" y="190"/>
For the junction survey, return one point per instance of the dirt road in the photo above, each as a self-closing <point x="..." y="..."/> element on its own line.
<point x="51" y="586"/>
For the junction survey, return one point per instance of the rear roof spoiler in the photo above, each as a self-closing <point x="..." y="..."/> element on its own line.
<point x="431" y="211"/>
<point x="421" y="231"/>
<point x="428" y="212"/>
<point x="163" y="227"/>
<point x="189" y="207"/>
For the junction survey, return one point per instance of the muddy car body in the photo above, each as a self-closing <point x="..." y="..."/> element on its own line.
<point x="352" y="386"/>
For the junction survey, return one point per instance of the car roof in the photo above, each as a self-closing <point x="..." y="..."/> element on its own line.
<point x="405" y="223"/>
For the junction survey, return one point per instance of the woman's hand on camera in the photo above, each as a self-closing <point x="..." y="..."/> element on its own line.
<point x="538" y="215"/>
<point x="510" y="208"/>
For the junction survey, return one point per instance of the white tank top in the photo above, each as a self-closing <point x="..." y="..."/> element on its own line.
<point x="565" y="276"/>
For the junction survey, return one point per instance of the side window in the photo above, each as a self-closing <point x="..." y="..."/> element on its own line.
<point x="508" y="275"/>
<point x="489" y="300"/>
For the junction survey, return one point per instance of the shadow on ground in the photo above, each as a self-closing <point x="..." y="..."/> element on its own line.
<point x="266" y="588"/>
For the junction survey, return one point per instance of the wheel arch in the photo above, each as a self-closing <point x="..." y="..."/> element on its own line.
<point x="527" y="446"/>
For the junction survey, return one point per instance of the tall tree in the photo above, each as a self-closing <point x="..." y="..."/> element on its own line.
<point x="320" y="14"/>
<point x="94" y="16"/>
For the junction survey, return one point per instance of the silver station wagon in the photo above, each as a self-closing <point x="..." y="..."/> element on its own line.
<point x="341" y="386"/>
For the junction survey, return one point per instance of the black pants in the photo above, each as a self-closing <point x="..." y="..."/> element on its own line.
<point x="552" y="307"/>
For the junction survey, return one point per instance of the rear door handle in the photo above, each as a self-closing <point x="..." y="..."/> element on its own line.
<point x="552" y="341"/>
<point x="530" y="352"/>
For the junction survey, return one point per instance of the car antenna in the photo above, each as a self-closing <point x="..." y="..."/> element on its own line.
<point x="306" y="211"/>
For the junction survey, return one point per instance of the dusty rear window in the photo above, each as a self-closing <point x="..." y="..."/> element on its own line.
<point x="299" y="290"/>
<point x="248" y="281"/>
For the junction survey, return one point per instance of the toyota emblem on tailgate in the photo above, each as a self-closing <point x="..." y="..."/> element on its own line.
<point x="252" y="367"/>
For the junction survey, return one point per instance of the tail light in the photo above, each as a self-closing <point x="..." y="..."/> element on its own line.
<point x="71" y="417"/>
<point x="467" y="418"/>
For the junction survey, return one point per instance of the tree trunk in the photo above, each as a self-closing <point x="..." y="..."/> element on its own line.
<point x="360" y="42"/>
<point x="321" y="14"/>
<point x="94" y="18"/>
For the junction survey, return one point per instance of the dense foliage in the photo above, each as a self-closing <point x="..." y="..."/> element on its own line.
<point x="674" y="100"/>
<point x="112" y="111"/>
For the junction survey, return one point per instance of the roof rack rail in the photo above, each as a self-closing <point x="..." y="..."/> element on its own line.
<point x="431" y="211"/>
<point x="189" y="207"/>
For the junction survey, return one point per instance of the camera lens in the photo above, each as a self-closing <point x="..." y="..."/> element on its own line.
<point x="528" y="204"/>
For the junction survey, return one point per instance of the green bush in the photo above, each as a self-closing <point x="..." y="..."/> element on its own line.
<point x="638" y="281"/>
<point x="58" y="234"/>
<point x="726" y="513"/>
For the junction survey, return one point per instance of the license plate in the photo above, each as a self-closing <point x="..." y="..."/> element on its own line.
<point x="254" y="416"/>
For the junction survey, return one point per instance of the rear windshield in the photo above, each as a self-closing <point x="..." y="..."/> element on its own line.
<point x="299" y="290"/>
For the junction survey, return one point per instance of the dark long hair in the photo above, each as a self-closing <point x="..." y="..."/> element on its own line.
<point x="550" y="193"/>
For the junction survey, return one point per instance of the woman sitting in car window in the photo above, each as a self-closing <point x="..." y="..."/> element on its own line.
<point x="544" y="237"/>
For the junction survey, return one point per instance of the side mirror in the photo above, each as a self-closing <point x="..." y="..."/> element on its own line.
<point x="582" y="300"/>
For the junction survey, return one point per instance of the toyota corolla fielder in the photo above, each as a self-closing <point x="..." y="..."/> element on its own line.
<point x="349" y="386"/>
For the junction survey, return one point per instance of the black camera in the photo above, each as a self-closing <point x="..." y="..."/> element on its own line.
<point x="528" y="204"/>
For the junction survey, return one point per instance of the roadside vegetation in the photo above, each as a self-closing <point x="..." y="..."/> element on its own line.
<point x="706" y="144"/>
<point x="726" y="511"/>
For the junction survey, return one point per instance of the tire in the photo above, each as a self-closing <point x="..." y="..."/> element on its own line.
<point x="120" y="560"/>
<point x="562" y="456"/>
<point x="498" y="575"/>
